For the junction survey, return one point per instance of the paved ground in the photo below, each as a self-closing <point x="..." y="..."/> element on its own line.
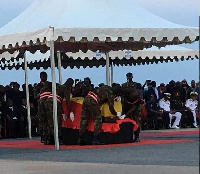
<point x="177" y="158"/>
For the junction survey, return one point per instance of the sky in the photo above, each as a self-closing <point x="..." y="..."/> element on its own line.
<point x="182" y="12"/>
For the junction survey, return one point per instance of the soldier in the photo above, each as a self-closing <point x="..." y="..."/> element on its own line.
<point x="82" y="88"/>
<point x="88" y="86"/>
<point x="41" y="92"/>
<point x="131" y="107"/>
<point x="91" y="107"/>
<point x="129" y="82"/>
<point x="62" y="92"/>
<point x="191" y="106"/>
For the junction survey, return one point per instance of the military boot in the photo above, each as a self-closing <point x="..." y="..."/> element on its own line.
<point x="80" y="141"/>
<point x="96" y="141"/>
<point x="42" y="139"/>
<point x="60" y="141"/>
<point x="137" y="137"/>
<point x="49" y="140"/>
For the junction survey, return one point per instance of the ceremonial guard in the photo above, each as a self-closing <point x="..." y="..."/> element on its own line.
<point x="41" y="92"/>
<point x="91" y="107"/>
<point x="87" y="86"/>
<point x="131" y="106"/>
<point x="62" y="92"/>
<point x="129" y="83"/>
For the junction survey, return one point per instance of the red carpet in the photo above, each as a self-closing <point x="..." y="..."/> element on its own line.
<point x="169" y="133"/>
<point x="35" y="144"/>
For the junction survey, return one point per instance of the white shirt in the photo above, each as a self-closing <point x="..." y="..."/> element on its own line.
<point x="192" y="104"/>
<point x="164" y="104"/>
<point x="11" y="107"/>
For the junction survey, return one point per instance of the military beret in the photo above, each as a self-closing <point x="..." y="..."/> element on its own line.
<point x="129" y="74"/>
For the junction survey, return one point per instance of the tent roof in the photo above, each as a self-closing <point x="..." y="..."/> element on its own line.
<point x="90" y="25"/>
<point x="90" y="59"/>
<point x="85" y="14"/>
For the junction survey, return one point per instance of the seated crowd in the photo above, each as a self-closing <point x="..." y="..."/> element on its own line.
<point x="171" y="105"/>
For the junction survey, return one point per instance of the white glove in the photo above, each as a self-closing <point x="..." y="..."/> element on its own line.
<point x="119" y="99"/>
<point x="118" y="114"/>
<point x="122" y="117"/>
<point x="64" y="117"/>
<point x="71" y="115"/>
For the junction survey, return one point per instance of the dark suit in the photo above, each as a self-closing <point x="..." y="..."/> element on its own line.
<point x="151" y="91"/>
<point x="22" y="121"/>
<point x="11" y="119"/>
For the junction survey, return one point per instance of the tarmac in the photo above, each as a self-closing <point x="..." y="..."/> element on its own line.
<point x="170" y="158"/>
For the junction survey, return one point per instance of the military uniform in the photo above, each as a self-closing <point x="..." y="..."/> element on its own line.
<point x="129" y="84"/>
<point x="177" y="108"/>
<point x="91" y="107"/>
<point x="132" y="107"/>
<point x="132" y="98"/>
<point x="41" y="92"/>
<point x="62" y="91"/>
<point x="192" y="105"/>
<point x="165" y="106"/>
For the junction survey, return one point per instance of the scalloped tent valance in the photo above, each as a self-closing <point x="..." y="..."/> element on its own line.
<point x="90" y="59"/>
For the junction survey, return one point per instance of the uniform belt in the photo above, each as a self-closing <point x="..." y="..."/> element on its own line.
<point x="136" y="101"/>
<point x="44" y="94"/>
<point x="58" y="98"/>
<point x="93" y="95"/>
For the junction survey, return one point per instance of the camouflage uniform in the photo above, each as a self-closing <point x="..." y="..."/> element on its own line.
<point x="130" y="84"/>
<point x="78" y="90"/>
<point x="39" y="90"/>
<point x="81" y="90"/>
<point x="62" y="91"/>
<point x="132" y="104"/>
<point x="91" y="107"/>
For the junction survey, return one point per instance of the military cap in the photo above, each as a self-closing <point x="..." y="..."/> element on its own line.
<point x="168" y="94"/>
<point x="162" y="85"/>
<point x="193" y="93"/>
<point x="129" y="74"/>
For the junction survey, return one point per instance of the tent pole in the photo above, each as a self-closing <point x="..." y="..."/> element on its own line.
<point x="199" y="84"/>
<point x="59" y="67"/>
<point x="54" y="90"/>
<point x="27" y="97"/>
<point x="111" y="73"/>
<point x="107" y="69"/>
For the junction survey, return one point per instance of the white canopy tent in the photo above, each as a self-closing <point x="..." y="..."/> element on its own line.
<point x="106" y="25"/>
